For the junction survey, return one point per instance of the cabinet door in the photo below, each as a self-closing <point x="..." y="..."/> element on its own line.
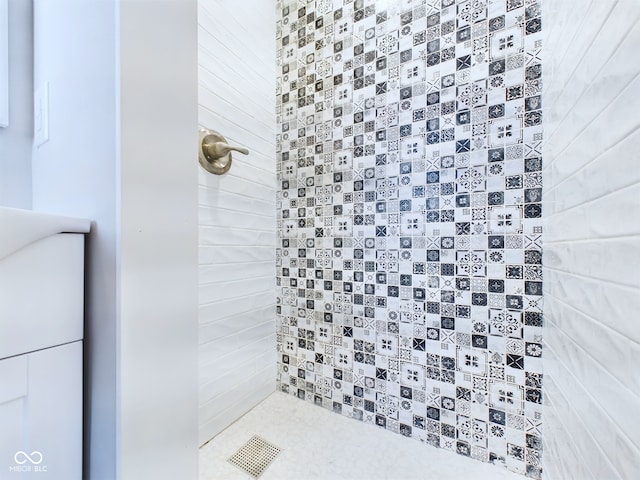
<point x="41" y="414"/>
<point x="41" y="295"/>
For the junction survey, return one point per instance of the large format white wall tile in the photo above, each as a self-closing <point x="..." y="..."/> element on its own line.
<point x="591" y="201"/>
<point x="236" y="59"/>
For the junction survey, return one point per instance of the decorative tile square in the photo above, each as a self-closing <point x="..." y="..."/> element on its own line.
<point x="505" y="323"/>
<point x="507" y="397"/>
<point x="504" y="219"/>
<point x="507" y="42"/>
<point x="506" y="131"/>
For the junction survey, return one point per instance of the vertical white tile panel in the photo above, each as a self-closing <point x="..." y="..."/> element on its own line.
<point x="592" y="239"/>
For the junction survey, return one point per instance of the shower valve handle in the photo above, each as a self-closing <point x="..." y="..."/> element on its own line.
<point x="215" y="152"/>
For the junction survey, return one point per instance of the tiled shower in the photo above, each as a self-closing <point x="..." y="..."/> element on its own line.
<point x="410" y="221"/>
<point x="408" y="185"/>
<point x="371" y="183"/>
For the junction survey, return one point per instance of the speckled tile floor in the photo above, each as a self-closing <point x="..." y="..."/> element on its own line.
<point x="319" y="444"/>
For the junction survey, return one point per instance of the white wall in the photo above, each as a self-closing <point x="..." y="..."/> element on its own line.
<point x="75" y="174"/>
<point x="592" y="239"/>
<point x="158" y="322"/>
<point x="123" y="128"/>
<point x="236" y="48"/>
<point x="15" y="141"/>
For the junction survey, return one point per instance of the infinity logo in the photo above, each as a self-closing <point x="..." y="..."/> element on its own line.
<point x="35" y="457"/>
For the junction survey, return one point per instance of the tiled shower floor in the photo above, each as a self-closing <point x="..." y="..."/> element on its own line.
<point x="318" y="444"/>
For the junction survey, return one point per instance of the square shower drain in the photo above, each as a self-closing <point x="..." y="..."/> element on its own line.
<point x="255" y="456"/>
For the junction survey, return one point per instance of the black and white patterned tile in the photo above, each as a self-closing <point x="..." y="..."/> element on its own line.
<point x="410" y="221"/>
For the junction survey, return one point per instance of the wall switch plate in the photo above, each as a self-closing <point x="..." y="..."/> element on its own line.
<point x="41" y="115"/>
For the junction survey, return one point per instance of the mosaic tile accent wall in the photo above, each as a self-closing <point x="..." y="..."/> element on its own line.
<point x="409" y="260"/>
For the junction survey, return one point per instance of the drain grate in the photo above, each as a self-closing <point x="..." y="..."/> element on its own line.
<point x="255" y="456"/>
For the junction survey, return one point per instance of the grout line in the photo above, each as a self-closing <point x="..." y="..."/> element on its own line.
<point x="241" y="280"/>
<point x="598" y="279"/>
<point x="586" y="50"/>
<point x="586" y="392"/>
<point x="593" y="320"/>
<point x="595" y="119"/>
<point x="227" y="298"/>
<point x="595" y="159"/>
<point x="594" y="239"/>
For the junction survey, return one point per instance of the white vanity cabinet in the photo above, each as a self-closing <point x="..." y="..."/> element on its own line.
<point x="41" y="349"/>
